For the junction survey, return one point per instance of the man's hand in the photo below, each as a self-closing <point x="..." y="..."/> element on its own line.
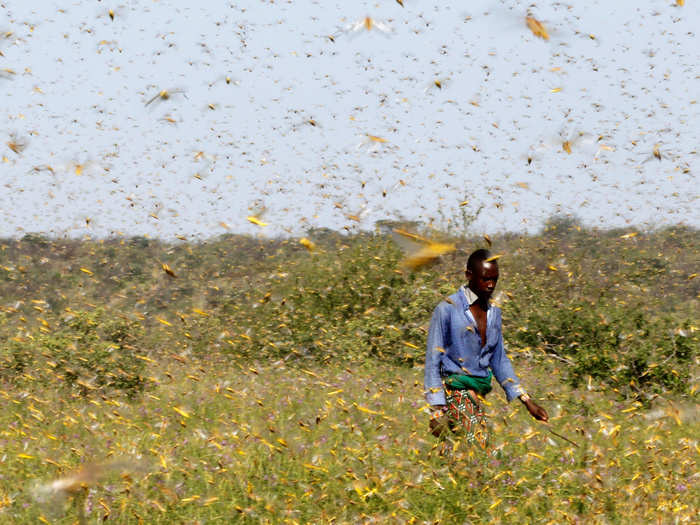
<point x="535" y="410"/>
<point x="438" y="423"/>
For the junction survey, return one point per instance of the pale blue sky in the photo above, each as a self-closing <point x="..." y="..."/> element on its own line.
<point x="80" y="81"/>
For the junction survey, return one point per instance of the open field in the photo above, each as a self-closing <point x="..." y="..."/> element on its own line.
<point x="274" y="443"/>
<point x="259" y="382"/>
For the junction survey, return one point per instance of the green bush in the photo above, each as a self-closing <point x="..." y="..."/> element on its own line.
<point x="626" y="348"/>
<point x="613" y="305"/>
<point x="89" y="352"/>
<point x="16" y="357"/>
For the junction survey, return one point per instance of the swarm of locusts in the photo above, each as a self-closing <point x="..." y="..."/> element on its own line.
<point x="280" y="381"/>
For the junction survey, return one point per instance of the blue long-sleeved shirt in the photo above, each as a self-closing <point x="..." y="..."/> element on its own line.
<point x="454" y="347"/>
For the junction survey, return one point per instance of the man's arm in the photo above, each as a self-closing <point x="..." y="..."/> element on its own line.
<point x="503" y="371"/>
<point x="438" y="339"/>
<point x="535" y="410"/>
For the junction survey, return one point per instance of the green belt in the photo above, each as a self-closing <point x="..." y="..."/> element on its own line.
<point x="481" y="385"/>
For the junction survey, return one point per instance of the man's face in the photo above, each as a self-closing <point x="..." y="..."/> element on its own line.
<point x="483" y="279"/>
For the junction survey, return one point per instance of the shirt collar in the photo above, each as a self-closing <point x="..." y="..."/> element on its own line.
<point x="470" y="296"/>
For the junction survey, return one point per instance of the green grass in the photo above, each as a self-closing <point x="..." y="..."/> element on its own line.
<point x="265" y="383"/>
<point x="310" y="443"/>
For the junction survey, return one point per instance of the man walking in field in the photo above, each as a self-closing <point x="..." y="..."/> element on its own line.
<point x="465" y="349"/>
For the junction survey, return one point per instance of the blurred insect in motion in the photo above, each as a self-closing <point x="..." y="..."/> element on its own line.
<point x="306" y="121"/>
<point x="601" y="148"/>
<point x="16" y="144"/>
<point x="73" y="486"/>
<point x="437" y="83"/>
<point x="169" y="119"/>
<point x="420" y="251"/>
<point x="365" y="24"/>
<point x="80" y="168"/>
<point x="209" y="162"/>
<point x="168" y="271"/>
<point x="5" y="35"/>
<point x="257" y="212"/>
<point x="42" y="167"/>
<point x="656" y="153"/>
<point x="165" y="95"/>
<point x="361" y="214"/>
<point x="536" y="27"/>
<point x="110" y="45"/>
<point x="585" y="142"/>
<point x="201" y="156"/>
<point x="368" y="24"/>
<point x="376" y="140"/>
<point x="568" y="142"/>
<point x="308" y="244"/>
<point x="535" y="153"/>
<point x="372" y="143"/>
<point x="228" y="79"/>
<point x="256" y="221"/>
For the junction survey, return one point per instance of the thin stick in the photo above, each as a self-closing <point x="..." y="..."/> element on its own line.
<point x="560" y="436"/>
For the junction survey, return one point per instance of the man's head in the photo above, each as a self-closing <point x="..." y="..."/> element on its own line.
<point x="482" y="274"/>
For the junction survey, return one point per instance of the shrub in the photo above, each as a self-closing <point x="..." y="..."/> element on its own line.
<point x="91" y="353"/>
<point x="633" y="353"/>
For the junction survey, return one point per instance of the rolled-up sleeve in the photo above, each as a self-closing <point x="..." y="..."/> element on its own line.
<point x="503" y="371"/>
<point x="438" y="339"/>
